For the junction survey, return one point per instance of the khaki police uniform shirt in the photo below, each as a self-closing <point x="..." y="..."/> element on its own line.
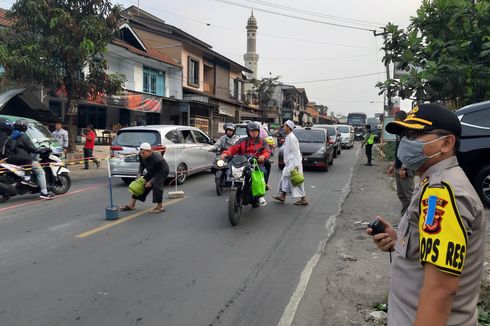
<point x="444" y="226"/>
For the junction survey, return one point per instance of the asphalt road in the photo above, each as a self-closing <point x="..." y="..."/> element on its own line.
<point x="62" y="264"/>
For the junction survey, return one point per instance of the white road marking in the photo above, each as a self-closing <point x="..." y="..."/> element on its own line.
<point x="291" y="308"/>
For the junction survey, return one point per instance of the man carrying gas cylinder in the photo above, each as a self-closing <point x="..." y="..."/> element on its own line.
<point x="156" y="172"/>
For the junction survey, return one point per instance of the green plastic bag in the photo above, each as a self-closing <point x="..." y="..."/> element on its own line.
<point x="258" y="182"/>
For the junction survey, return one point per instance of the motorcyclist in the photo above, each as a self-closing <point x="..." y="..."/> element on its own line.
<point x="228" y="139"/>
<point x="252" y="145"/>
<point x="22" y="154"/>
<point x="5" y="132"/>
<point x="6" y="129"/>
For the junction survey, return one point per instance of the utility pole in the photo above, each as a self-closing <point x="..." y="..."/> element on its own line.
<point x="387" y="66"/>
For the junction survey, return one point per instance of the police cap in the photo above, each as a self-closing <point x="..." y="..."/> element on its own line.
<point x="426" y="117"/>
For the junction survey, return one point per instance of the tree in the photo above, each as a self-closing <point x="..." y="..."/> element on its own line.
<point x="446" y="52"/>
<point x="263" y="94"/>
<point x="60" y="44"/>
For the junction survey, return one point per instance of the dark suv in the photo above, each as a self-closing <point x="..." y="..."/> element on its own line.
<point x="474" y="154"/>
<point x="315" y="148"/>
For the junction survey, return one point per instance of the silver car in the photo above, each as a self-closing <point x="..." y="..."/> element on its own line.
<point x="347" y="135"/>
<point x="186" y="150"/>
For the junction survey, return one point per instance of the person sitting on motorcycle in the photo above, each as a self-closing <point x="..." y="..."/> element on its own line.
<point x="228" y="139"/>
<point x="252" y="145"/>
<point x="22" y="149"/>
<point x="6" y="129"/>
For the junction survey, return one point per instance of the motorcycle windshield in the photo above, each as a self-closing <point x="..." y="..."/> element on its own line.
<point x="239" y="160"/>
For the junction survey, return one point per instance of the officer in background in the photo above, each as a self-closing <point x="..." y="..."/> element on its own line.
<point x="369" y="142"/>
<point x="403" y="176"/>
<point x="440" y="243"/>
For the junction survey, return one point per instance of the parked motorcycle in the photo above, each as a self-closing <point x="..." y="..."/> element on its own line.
<point x="58" y="178"/>
<point x="239" y="176"/>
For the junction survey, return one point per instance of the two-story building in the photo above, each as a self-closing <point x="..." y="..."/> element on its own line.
<point x="212" y="84"/>
<point x="292" y="103"/>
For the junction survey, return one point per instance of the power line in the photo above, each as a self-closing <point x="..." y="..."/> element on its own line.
<point x="333" y="79"/>
<point x="295" y="17"/>
<point x="303" y="59"/>
<point x="316" y="14"/>
<point x="241" y="31"/>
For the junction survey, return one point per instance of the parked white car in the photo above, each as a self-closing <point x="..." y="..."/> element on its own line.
<point x="186" y="150"/>
<point x="347" y="135"/>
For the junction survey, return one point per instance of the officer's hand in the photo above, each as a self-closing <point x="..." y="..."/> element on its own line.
<point x="223" y="156"/>
<point x="391" y="169"/>
<point x="261" y="159"/>
<point x="148" y="184"/>
<point x="384" y="241"/>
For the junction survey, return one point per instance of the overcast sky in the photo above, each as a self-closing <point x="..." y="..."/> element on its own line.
<point x="297" y="50"/>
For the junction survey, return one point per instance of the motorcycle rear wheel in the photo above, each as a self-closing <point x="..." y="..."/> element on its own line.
<point x="234" y="207"/>
<point x="63" y="184"/>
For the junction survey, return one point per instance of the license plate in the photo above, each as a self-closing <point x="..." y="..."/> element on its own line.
<point x="132" y="158"/>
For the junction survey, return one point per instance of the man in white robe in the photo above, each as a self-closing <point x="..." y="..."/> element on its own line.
<point x="292" y="160"/>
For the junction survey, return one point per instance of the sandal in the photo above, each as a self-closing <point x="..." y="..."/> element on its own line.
<point x="301" y="203"/>
<point x="279" y="198"/>
<point x="126" y="208"/>
<point x="157" y="210"/>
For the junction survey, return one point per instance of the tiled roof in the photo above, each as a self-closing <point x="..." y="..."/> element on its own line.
<point x="3" y="19"/>
<point x="151" y="53"/>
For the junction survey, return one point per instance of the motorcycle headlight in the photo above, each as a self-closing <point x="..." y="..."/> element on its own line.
<point x="237" y="172"/>
<point x="220" y="163"/>
<point x="321" y="151"/>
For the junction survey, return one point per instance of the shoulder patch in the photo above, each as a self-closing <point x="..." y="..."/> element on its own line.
<point x="443" y="238"/>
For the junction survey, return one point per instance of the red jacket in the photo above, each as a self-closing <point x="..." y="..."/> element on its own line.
<point x="256" y="147"/>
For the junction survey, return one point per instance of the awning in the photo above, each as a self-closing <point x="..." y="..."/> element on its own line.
<point x="130" y="100"/>
<point x="127" y="100"/>
<point x="22" y="103"/>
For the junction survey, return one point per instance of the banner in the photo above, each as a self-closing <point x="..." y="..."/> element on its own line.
<point x="127" y="100"/>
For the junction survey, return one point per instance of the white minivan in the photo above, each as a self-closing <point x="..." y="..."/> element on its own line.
<point x="347" y="135"/>
<point x="186" y="150"/>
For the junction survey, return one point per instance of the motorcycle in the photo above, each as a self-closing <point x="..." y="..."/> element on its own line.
<point x="58" y="178"/>
<point x="239" y="176"/>
<point x="220" y="169"/>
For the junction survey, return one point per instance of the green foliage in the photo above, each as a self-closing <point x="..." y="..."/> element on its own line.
<point x="52" y="42"/>
<point x="446" y="51"/>
<point x="263" y="93"/>
<point x="381" y="307"/>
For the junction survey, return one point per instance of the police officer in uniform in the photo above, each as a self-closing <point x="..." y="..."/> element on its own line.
<point x="438" y="250"/>
<point x="369" y="142"/>
<point x="403" y="176"/>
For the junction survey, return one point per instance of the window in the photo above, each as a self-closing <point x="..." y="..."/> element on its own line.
<point x="310" y="136"/>
<point x="233" y="88"/>
<point x="200" y="137"/>
<point x="478" y="118"/>
<point x="193" y="72"/>
<point x="130" y="138"/>
<point x="174" y="137"/>
<point x="187" y="136"/>
<point x="153" y="81"/>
